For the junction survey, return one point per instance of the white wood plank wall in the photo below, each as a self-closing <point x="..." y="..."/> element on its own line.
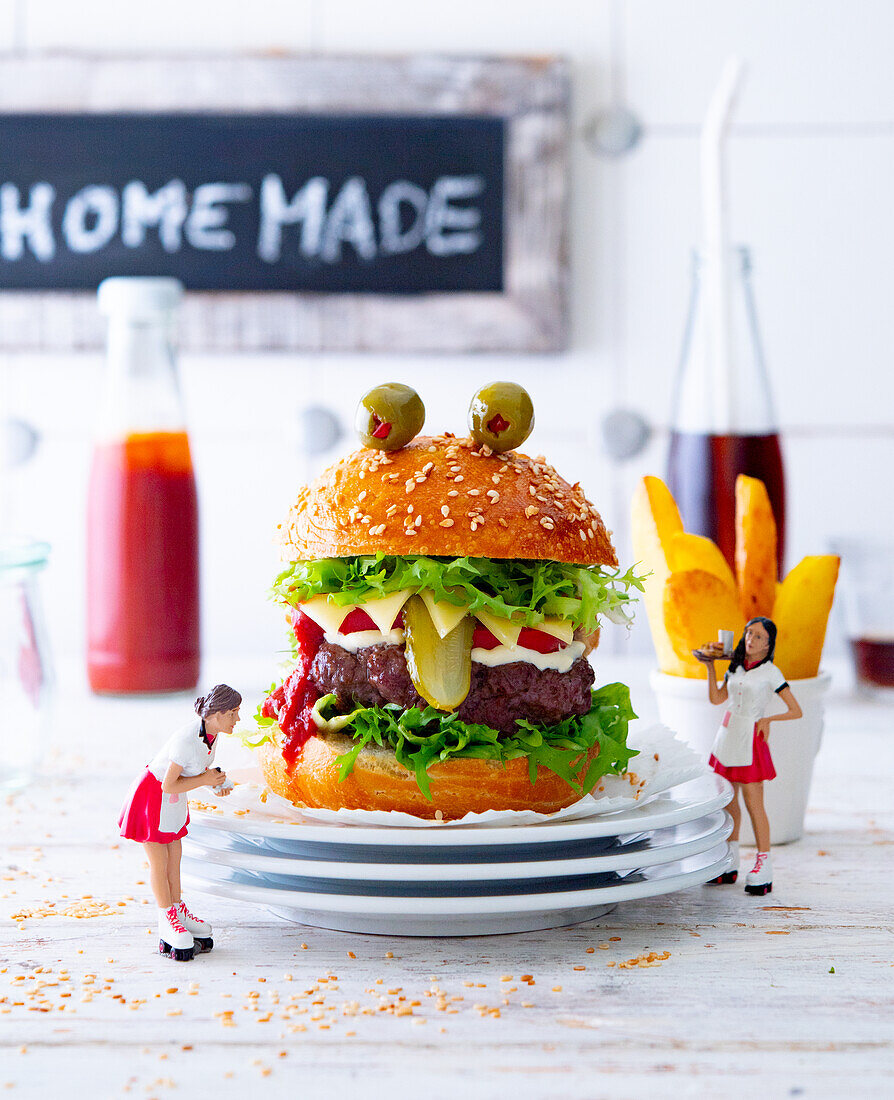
<point x="813" y="170"/>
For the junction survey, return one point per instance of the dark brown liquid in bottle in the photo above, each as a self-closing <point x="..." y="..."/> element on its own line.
<point x="874" y="659"/>
<point x="702" y="472"/>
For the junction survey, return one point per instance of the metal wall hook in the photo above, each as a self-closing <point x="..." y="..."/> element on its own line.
<point x="613" y="132"/>
<point x="625" y="434"/>
<point x="18" y="442"/>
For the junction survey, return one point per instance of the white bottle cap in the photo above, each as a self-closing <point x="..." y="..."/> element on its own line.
<point x="139" y="299"/>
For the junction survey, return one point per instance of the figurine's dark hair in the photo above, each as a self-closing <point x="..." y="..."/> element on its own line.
<point x="738" y="658"/>
<point x="221" y="697"/>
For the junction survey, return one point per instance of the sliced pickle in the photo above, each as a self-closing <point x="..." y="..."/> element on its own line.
<point x="440" y="668"/>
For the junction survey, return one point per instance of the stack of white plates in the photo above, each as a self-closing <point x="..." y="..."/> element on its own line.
<point x="461" y="880"/>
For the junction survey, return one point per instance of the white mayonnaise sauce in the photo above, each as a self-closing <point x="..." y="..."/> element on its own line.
<point x="561" y="660"/>
<point x="360" y="639"/>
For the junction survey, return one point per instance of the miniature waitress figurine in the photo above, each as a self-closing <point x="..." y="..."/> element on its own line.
<point x="157" y="812"/>
<point x="741" y="752"/>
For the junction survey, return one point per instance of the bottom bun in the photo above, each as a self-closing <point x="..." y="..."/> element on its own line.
<point x="379" y="782"/>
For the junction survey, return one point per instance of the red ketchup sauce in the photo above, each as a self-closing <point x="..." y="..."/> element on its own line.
<point x="143" y="565"/>
<point x="293" y="701"/>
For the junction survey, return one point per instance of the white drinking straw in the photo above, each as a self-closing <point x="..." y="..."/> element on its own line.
<point x="715" y="213"/>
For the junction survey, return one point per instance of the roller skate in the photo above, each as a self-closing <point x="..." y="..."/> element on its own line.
<point x="759" y="880"/>
<point x="201" y="929"/>
<point x="173" y="938"/>
<point x="732" y="874"/>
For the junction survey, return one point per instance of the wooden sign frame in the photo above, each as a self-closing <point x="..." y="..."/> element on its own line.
<point x="531" y="94"/>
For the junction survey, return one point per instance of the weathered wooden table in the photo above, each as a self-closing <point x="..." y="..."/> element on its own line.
<point x="786" y="995"/>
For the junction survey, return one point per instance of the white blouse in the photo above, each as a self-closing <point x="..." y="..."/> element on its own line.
<point x="186" y="748"/>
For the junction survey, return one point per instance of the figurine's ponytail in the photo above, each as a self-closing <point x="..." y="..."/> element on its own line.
<point x="220" y="698"/>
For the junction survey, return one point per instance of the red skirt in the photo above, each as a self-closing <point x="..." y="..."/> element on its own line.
<point x="760" y="768"/>
<point x="140" y="816"/>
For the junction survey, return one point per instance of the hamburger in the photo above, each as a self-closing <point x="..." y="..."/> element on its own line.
<point x="442" y="600"/>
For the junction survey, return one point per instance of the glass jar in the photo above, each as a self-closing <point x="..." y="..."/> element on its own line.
<point x="26" y="675"/>
<point x="142" y="510"/>
<point x="723" y="422"/>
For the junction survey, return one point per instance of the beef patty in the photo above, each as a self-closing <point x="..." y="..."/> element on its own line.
<point x="498" y="697"/>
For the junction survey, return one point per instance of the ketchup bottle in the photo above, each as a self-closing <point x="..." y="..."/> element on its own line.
<point x="723" y="421"/>
<point x="142" y="514"/>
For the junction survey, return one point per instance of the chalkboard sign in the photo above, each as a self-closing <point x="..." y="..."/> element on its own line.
<point x="312" y="202"/>
<point x="340" y="204"/>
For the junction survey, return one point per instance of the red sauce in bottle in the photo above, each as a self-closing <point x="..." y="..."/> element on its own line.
<point x="702" y="472"/>
<point x="143" y="566"/>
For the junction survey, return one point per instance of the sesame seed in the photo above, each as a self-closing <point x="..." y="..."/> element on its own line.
<point x="390" y="510"/>
<point x="361" y="497"/>
<point x="445" y="511"/>
<point x="496" y="479"/>
<point x="366" y="519"/>
<point x="493" y="496"/>
<point x="361" y="475"/>
<point x="583" y="534"/>
<point x="418" y="521"/>
<point x="531" y="510"/>
<point x="409" y="509"/>
<point x="459" y="477"/>
<point x="410" y="485"/>
<point x="453" y="493"/>
<point x="428" y="466"/>
<point x="474" y="493"/>
<point x="532" y="490"/>
<point x="503" y="522"/>
<point x="446" y="523"/>
<point x="455" y="469"/>
<point x="546" y="522"/>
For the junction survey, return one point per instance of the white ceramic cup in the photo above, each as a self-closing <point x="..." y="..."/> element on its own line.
<point x="683" y="705"/>
<point x="727" y="639"/>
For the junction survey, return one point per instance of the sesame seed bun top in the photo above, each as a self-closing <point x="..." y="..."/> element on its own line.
<point x="445" y="497"/>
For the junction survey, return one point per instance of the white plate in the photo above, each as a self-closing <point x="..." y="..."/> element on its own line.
<point x="662" y="846"/>
<point x="685" y="802"/>
<point x="464" y="916"/>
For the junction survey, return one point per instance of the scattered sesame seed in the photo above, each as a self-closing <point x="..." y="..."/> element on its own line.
<point x="531" y="510"/>
<point x="474" y="492"/>
<point x="362" y="496"/>
<point x="445" y="510"/>
<point x="453" y="493"/>
<point x="493" y="496"/>
<point x="419" y="521"/>
<point x="583" y="534"/>
<point x="409" y="485"/>
<point x="459" y="477"/>
<point x="446" y="523"/>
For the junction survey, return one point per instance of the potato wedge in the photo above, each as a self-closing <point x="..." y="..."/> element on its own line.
<point x="755" y="548"/>
<point x="655" y="521"/>
<point x="686" y="551"/>
<point x="696" y="605"/>
<point x="803" y="603"/>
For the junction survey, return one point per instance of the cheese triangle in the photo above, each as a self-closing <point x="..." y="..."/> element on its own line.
<point x="445" y="616"/>
<point x="558" y="628"/>
<point x="504" y="630"/>
<point x="325" y="614"/>
<point x="383" y="612"/>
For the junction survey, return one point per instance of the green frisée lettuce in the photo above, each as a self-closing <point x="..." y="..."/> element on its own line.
<point x="525" y="590"/>
<point x="421" y="738"/>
